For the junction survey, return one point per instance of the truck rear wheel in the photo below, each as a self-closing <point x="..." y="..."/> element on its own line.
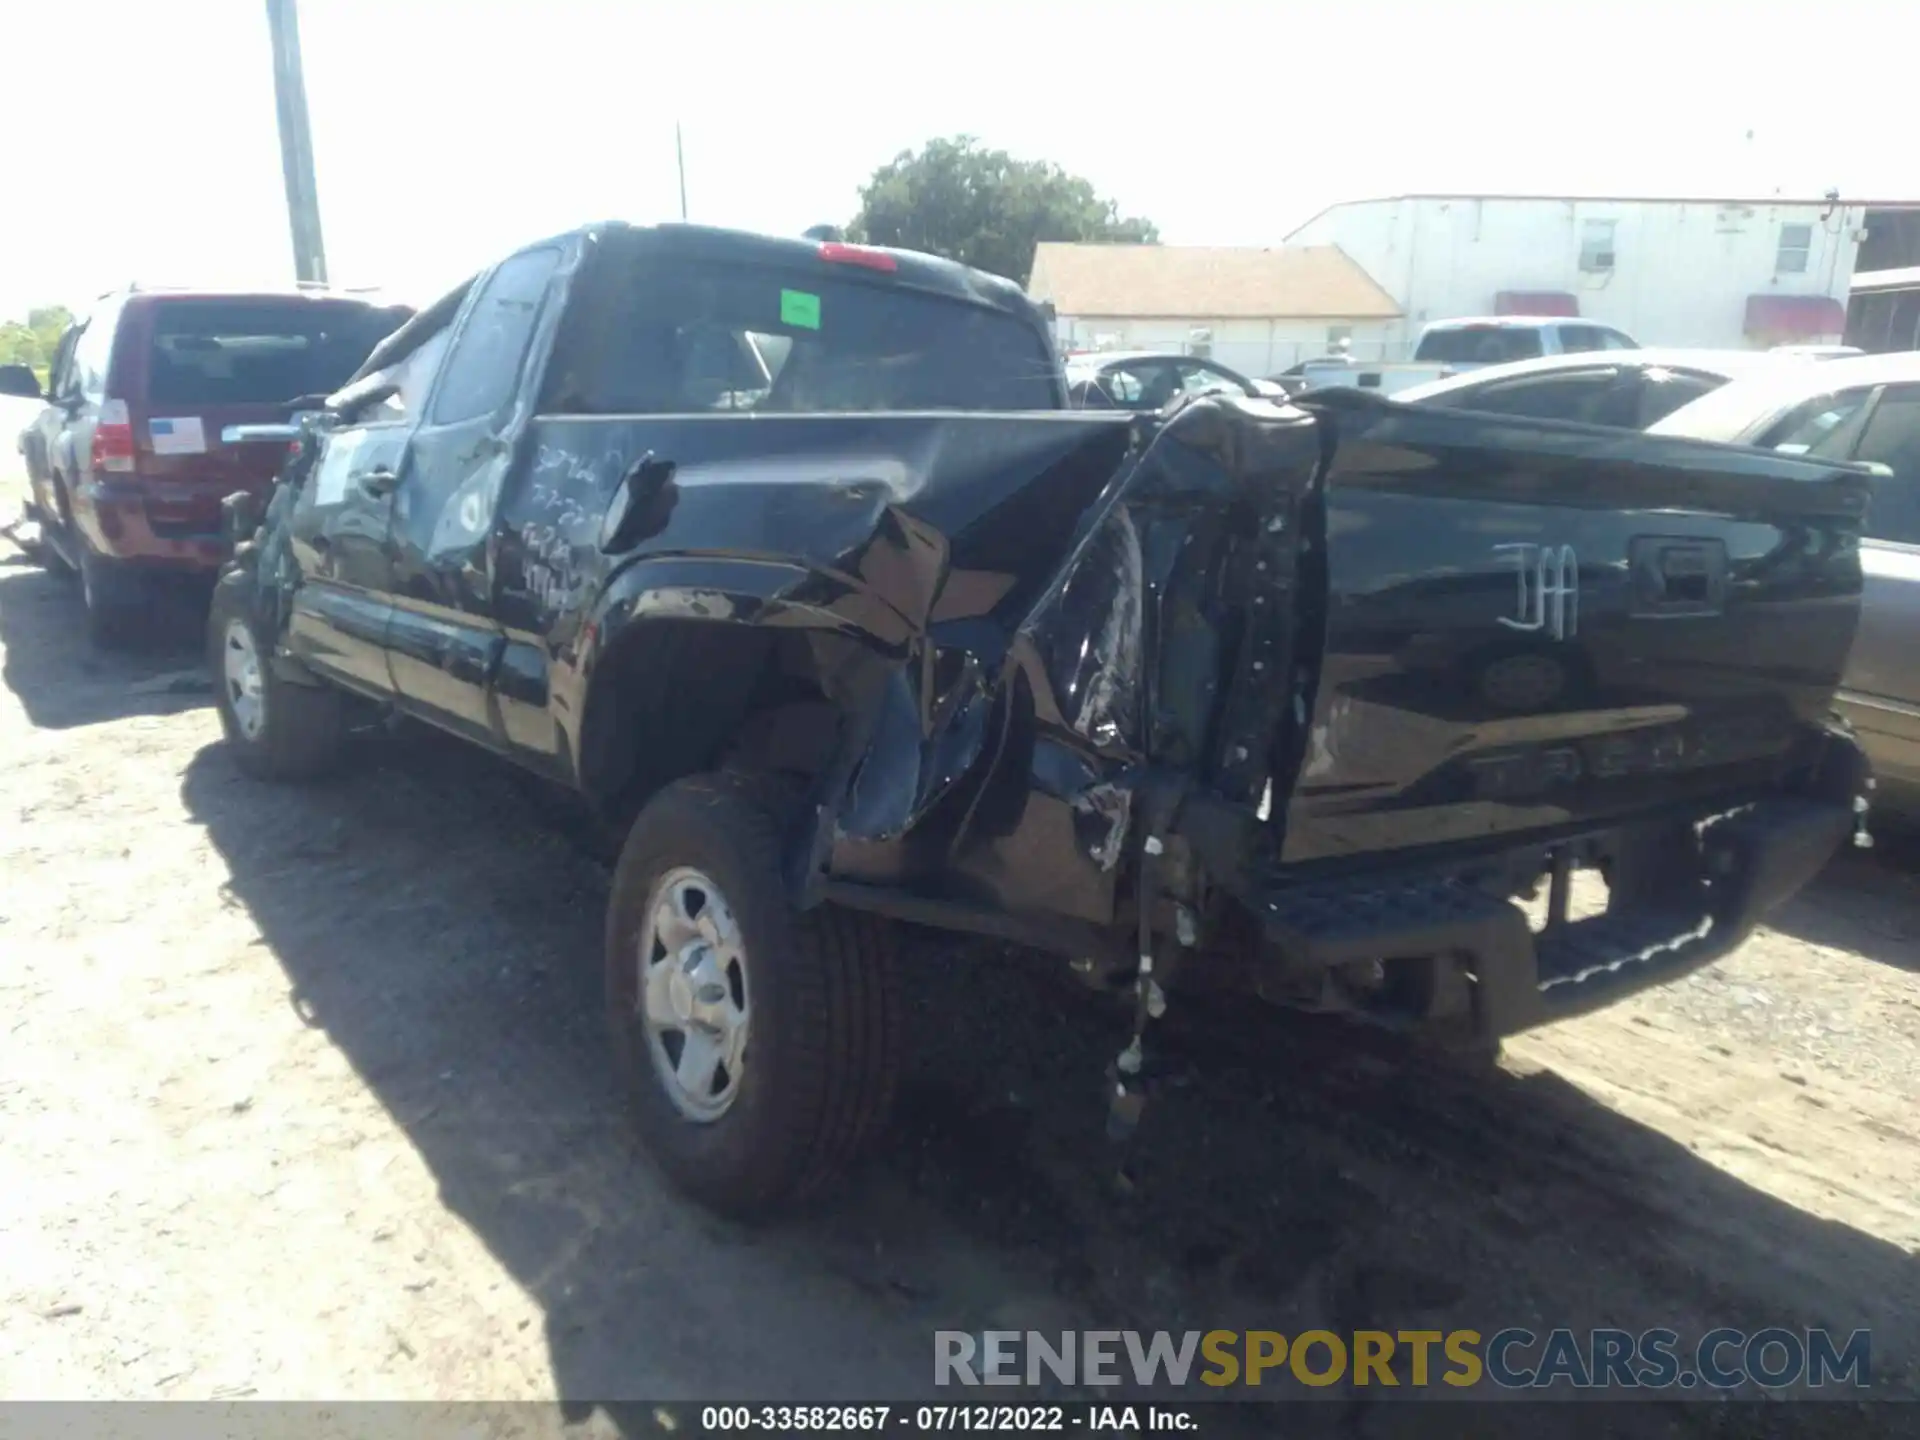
<point x="757" y="1046"/>
<point x="278" y="730"/>
<point x="115" y="600"/>
<point x="58" y="520"/>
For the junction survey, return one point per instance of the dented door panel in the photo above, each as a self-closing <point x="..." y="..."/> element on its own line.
<point x="447" y="646"/>
<point x="882" y="528"/>
<point x="340" y="531"/>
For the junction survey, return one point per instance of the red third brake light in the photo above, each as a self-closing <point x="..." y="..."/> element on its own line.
<point x="842" y="254"/>
<point x="113" y="438"/>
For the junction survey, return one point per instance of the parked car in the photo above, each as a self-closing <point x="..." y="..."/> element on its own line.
<point x="1820" y="352"/>
<point x="19" y="406"/>
<point x="781" y="555"/>
<point x="1451" y="347"/>
<point x="1146" y="381"/>
<point x="1865" y="410"/>
<point x="1628" y="389"/>
<point x="124" y="459"/>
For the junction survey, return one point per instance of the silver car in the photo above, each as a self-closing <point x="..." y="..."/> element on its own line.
<point x="1630" y="389"/>
<point x="1866" y="410"/>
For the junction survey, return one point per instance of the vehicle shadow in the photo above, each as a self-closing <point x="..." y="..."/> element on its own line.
<point x="63" y="682"/>
<point x="1867" y="901"/>
<point x="1289" y="1175"/>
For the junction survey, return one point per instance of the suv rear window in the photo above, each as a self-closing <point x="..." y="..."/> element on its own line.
<point x="1480" y="345"/>
<point x="689" y="337"/>
<point x="258" y="352"/>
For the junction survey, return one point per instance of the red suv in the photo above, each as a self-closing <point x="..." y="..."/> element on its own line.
<point x="126" y="462"/>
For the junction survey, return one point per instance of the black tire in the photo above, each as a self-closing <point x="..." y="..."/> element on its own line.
<point x="115" y="599"/>
<point x="61" y="520"/>
<point x="301" y="727"/>
<point x="823" y="1007"/>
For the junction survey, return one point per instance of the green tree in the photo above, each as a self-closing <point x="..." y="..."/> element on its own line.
<point x="985" y="208"/>
<point x="33" y="341"/>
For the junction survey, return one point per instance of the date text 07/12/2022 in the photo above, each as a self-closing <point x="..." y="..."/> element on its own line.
<point x="937" y="1419"/>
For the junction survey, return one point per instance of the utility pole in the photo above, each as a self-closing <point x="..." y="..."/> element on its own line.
<point x="296" y="143"/>
<point x="680" y="156"/>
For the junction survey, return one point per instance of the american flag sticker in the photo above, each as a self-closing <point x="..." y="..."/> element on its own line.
<point x="183" y="435"/>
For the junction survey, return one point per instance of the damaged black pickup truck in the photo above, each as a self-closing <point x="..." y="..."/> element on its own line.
<point x="787" y="557"/>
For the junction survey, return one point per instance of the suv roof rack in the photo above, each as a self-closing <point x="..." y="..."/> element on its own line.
<point x="137" y="287"/>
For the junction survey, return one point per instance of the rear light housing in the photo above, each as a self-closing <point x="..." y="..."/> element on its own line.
<point x="113" y="439"/>
<point x="843" y="254"/>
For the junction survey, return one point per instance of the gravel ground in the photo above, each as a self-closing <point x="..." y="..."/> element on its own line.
<point x="304" y="1096"/>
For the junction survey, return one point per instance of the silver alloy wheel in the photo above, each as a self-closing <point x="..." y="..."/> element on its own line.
<point x="693" y="994"/>
<point x="246" y="690"/>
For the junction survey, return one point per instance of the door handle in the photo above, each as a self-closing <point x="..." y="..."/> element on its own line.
<point x="379" y="483"/>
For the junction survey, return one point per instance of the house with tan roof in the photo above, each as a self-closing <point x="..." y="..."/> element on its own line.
<point x="1256" y="310"/>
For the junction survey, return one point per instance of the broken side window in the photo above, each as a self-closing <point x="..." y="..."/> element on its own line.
<point x="485" y="364"/>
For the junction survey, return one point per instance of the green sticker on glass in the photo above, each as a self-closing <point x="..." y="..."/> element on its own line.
<point x="800" y="309"/>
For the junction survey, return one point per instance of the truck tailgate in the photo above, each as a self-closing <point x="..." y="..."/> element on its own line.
<point x="1530" y="627"/>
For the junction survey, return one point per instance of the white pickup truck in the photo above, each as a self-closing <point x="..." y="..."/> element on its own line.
<point x="1448" y="347"/>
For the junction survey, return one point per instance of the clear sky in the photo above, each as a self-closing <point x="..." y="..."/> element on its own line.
<point x="142" y="141"/>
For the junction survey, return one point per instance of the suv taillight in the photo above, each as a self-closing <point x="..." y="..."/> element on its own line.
<point x="113" y="438"/>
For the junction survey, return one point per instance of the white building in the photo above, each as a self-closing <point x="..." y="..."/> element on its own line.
<point x="1256" y="311"/>
<point x="1720" y="273"/>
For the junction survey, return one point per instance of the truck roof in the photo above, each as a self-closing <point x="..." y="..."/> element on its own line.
<point x="1510" y="322"/>
<point x="911" y="267"/>
<point x="146" y="294"/>
<point x="929" y="274"/>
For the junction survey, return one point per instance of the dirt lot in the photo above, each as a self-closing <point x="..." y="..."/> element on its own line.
<point x="304" y="1095"/>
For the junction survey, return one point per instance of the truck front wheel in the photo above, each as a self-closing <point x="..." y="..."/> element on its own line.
<point x="758" y="1046"/>
<point x="278" y="730"/>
